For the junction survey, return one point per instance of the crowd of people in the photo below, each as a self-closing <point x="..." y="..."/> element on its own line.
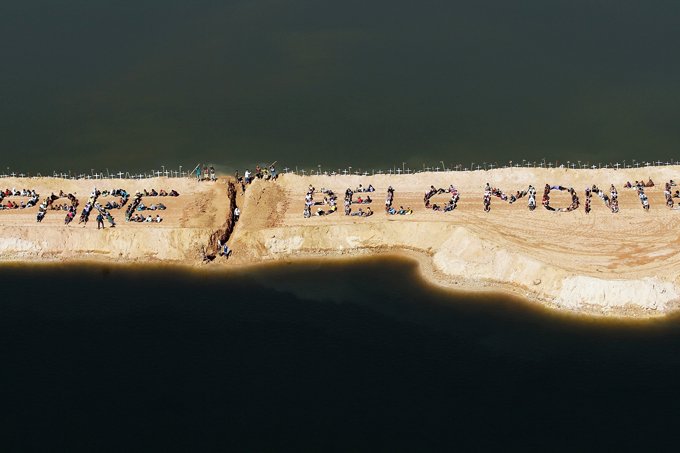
<point x="72" y="202"/>
<point x="205" y="173"/>
<point x="363" y="213"/>
<point x="667" y="193"/>
<point x="493" y="191"/>
<point x="546" y="198"/>
<point x="148" y="219"/>
<point x="361" y="199"/>
<point x="389" y="199"/>
<point x="132" y="214"/>
<point x="643" y="197"/>
<point x="611" y="200"/>
<point x="637" y="184"/>
<point x="103" y="210"/>
<point x="33" y="196"/>
<point x="329" y="199"/>
<point x="266" y="173"/>
<point x="450" y="205"/>
<point x="361" y="188"/>
<point x="401" y="211"/>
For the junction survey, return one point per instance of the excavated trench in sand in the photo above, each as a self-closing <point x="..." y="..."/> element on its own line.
<point x="223" y="234"/>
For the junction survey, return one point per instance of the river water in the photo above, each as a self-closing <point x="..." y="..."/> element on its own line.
<point x="136" y="85"/>
<point x="359" y="355"/>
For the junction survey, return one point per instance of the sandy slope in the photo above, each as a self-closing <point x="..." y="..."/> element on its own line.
<point x="623" y="263"/>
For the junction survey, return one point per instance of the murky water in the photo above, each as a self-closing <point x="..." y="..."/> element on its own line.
<point x="123" y="85"/>
<point x="334" y="356"/>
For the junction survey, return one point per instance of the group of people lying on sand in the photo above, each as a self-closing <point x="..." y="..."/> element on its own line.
<point x="489" y="191"/>
<point x="611" y="201"/>
<point x="329" y="199"/>
<point x="643" y="197"/>
<point x="49" y="203"/>
<point x="449" y="206"/>
<point x="610" y="198"/>
<point x="33" y="200"/>
<point x="93" y="204"/>
<point x="137" y="205"/>
<point x="103" y="210"/>
<point x="349" y="200"/>
<point x="400" y="211"/>
<point x="639" y="184"/>
<point x="13" y="192"/>
<point x="140" y="218"/>
<point x="162" y="193"/>
<point x="361" y="188"/>
<point x="667" y="193"/>
<point x="153" y="207"/>
<point x="361" y="213"/>
<point x="546" y="198"/>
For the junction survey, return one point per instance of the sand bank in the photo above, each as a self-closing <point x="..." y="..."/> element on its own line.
<point x="615" y="264"/>
<point x="620" y="264"/>
<point x="187" y="224"/>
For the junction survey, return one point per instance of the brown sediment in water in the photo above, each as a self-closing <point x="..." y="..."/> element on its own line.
<point x="619" y="265"/>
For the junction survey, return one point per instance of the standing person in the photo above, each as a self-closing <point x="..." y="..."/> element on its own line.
<point x="237" y="213"/>
<point x="100" y="221"/>
<point x="198" y="173"/>
<point x="226" y="251"/>
<point x="212" y="174"/>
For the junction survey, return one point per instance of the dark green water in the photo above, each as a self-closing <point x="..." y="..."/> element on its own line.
<point x="311" y="357"/>
<point x="133" y="85"/>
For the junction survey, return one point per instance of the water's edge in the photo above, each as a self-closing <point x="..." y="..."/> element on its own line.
<point x="422" y="263"/>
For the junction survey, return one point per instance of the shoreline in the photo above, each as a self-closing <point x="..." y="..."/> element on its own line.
<point x="425" y="272"/>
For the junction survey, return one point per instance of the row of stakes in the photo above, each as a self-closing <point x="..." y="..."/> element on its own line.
<point x="479" y="166"/>
<point x="348" y="171"/>
<point x="104" y="175"/>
